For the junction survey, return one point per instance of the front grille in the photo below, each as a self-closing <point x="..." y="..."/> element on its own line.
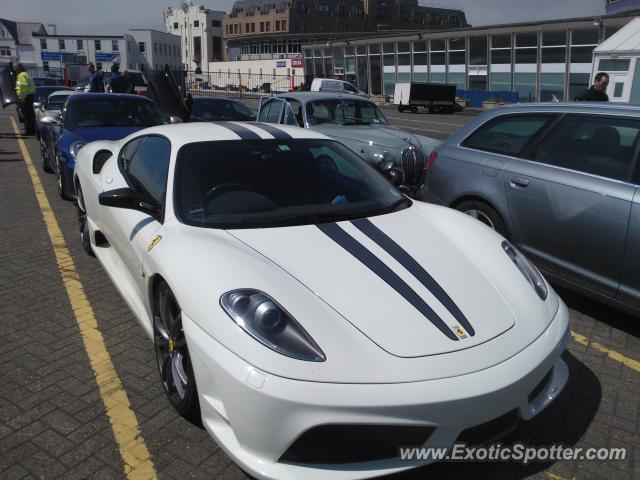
<point x="340" y="444"/>
<point x="99" y="159"/>
<point x="491" y="430"/>
<point x="412" y="165"/>
<point x="543" y="383"/>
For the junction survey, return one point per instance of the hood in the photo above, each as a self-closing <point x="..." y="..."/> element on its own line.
<point x="414" y="292"/>
<point x="91" y="134"/>
<point x="383" y="135"/>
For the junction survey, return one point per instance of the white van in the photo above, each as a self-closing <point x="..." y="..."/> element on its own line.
<point x="335" y="86"/>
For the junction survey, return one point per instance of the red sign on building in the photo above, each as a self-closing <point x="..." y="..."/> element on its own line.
<point x="296" y="62"/>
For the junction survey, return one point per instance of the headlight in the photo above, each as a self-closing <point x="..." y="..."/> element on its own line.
<point x="528" y="269"/>
<point x="75" y="148"/>
<point x="385" y="160"/>
<point x="266" y="321"/>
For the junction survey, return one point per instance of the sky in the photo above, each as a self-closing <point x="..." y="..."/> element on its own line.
<point x="113" y="17"/>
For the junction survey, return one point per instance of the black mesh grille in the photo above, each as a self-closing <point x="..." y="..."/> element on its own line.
<point x="413" y="165"/>
<point x="99" y="159"/>
<point x="341" y="444"/>
<point x="486" y="432"/>
<point x="543" y="383"/>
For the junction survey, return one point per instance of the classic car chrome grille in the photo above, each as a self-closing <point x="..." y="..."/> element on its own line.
<point x="412" y="165"/>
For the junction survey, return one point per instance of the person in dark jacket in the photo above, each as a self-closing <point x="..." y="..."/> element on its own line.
<point x="598" y="91"/>
<point x="96" y="85"/>
<point x="117" y="83"/>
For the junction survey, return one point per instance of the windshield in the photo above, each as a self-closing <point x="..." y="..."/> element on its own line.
<point x="56" y="102"/>
<point x="272" y="183"/>
<point x="344" y="112"/>
<point x="217" y="110"/>
<point x="111" y="112"/>
<point x="38" y="81"/>
<point x="42" y="93"/>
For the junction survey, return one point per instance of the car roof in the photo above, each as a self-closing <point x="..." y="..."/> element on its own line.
<point x="183" y="133"/>
<point x="593" y="107"/>
<point x="208" y="99"/>
<point x="114" y="96"/>
<point x="62" y="93"/>
<point x="311" y="96"/>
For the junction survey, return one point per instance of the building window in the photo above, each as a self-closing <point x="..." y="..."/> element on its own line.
<point x="114" y="46"/>
<point x="5" y="52"/>
<point x="98" y="66"/>
<point x="175" y="25"/>
<point x="142" y="47"/>
<point x="79" y="45"/>
<point x="45" y="65"/>
<point x="43" y="44"/>
<point x="284" y="25"/>
<point x="324" y="9"/>
<point x="196" y="23"/>
<point x="253" y="28"/>
<point x="61" y="44"/>
<point x="262" y="26"/>
<point x="268" y="26"/>
<point x="277" y="25"/>
<point x="98" y="45"/>
<point x="215" y="23"/>
<point x="155" y="48"/>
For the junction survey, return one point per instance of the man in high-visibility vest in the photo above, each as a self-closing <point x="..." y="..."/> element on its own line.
<point x="26" y="89"/>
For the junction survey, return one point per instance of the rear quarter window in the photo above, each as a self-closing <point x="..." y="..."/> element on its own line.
<point x="507" y="134"/>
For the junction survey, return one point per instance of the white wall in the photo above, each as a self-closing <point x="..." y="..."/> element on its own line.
<point x="255" y="68"/>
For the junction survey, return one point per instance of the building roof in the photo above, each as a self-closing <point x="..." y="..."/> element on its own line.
<point x="22" y="31"/>
<point x="46" y="35"/>
<point x="624" y="40"/>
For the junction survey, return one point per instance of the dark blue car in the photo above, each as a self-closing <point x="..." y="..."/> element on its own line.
<point x="89" y="117"/>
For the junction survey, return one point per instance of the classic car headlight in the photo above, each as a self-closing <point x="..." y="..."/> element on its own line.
<point x="528" y="269"/>
<point x="385" y="160"/>
<point x="266" y="321"/>
<point x="75" y="148"/>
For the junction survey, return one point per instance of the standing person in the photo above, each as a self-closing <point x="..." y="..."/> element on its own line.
<point x="96" y="85"/>
<point x="597" y="92"/>
<point x="26" y="89"/>
<point x="117" y="83"/>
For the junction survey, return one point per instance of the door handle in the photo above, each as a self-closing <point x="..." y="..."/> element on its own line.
<point x="520" y="182"/>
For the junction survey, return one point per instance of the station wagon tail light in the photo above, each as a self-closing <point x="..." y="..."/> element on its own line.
<point x="431" y="159"/>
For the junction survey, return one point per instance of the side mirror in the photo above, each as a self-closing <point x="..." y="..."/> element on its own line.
<point x="127" y="198"/>
<point x="37" y="105"/>
<point x="50" y="120"/>
<point x="174" y="119"/>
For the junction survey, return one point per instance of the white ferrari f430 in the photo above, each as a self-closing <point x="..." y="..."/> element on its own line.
<point x="312" y="317"/>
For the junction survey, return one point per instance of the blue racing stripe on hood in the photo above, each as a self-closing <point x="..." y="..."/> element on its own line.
<point x="373" y="263"/>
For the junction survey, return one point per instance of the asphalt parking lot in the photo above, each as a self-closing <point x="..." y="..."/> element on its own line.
<point x="54" y="420"/>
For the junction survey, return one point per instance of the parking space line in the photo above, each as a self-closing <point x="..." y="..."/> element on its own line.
<point x="124" y="423"/>
<point x="613" y="355"/>
<point x="425" y="121"/>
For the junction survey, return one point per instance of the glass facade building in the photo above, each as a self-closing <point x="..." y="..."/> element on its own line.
<point x="540" y="61"/>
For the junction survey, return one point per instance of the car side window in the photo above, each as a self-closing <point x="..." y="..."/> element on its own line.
<point x="264" y="111"/>
<point x="294" y="113"/>
<point x="595" y="144"/>
<point x="349" y="88"/>
<point x="148" y="169"/>
<point x="275" y="111"/>
<point x="507" y="134"/>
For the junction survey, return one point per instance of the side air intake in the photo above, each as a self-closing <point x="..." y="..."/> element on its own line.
<point x="99" y="159"/>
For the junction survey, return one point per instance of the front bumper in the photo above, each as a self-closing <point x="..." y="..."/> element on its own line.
<point x="256" y="416"/>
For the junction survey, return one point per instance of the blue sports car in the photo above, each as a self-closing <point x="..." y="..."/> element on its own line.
<point x="89" y="117"/>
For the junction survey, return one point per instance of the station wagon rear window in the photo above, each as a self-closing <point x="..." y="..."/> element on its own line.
<point x="507" y="134"/>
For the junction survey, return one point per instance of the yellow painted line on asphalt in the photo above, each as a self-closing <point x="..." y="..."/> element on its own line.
<point x="612" y="354"/>
<point x="554" y="476"/>
<point x="124" y="423"/>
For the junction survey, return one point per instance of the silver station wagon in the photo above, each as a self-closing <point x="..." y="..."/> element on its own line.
<point x="360" y="125"/>
<point x="562" y="182"/>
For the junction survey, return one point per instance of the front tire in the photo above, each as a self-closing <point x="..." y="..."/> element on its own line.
<point x="485" y="213"/>
<point x="85" y="234"/>
<point x="172" y="355"/>
<point x="44" y="161"/>
<point x="61" y="182"/>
